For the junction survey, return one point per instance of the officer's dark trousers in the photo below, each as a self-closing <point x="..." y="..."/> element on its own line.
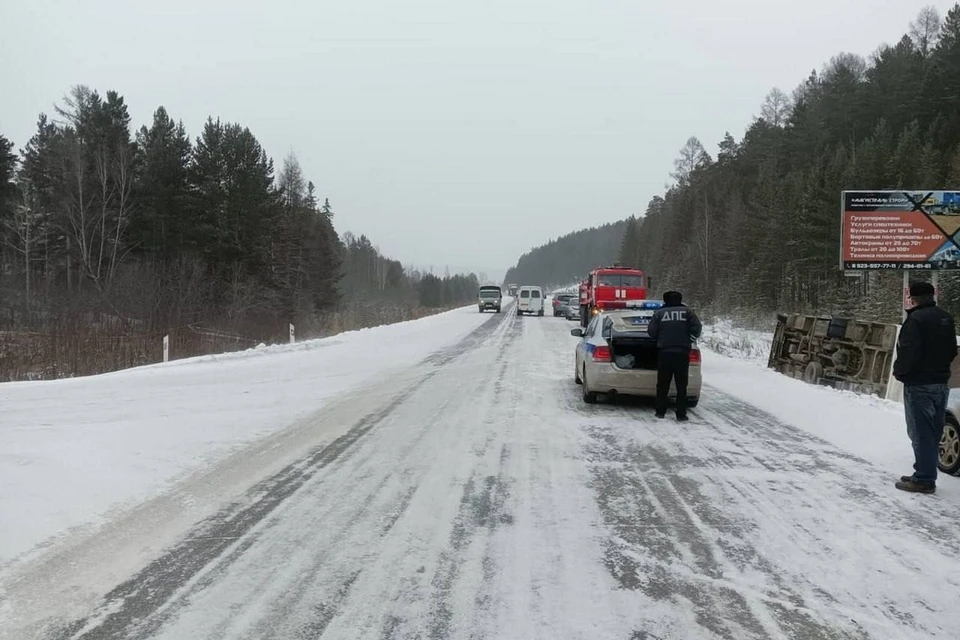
<point x="673" y="366"/>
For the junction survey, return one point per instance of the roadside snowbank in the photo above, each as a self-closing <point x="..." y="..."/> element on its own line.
<point x="73" y="449"/>
<point x="725" y="338"/>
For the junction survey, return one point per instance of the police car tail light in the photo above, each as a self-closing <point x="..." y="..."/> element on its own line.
<point x="601" y="354"/>
<point x="695" y="357"/>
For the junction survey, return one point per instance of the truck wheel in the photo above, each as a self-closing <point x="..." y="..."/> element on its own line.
<point x="540" y="314"/>
<point x="588" y="396"/>
<point x="813" y="372"/>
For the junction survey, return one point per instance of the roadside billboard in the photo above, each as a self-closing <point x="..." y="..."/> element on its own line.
<point x="900" y="230"/>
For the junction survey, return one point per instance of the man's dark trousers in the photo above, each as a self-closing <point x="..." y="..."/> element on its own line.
<point x="926" y="409"/>
<point x="672" y="365"/>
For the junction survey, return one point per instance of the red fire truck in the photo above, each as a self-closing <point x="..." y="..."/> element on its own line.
<point x="611" y="288"/>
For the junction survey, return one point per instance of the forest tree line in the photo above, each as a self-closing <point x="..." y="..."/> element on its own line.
<point x="108" y="230"/>
<point x="569" y="258"/>
<point x="757" y="228"/>
<point x="154" y="228"/>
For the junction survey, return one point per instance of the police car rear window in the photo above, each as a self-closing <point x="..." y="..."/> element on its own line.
<point x="633" y="322"/>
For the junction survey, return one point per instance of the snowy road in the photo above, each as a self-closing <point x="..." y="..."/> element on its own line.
<point x="477" y="497"/>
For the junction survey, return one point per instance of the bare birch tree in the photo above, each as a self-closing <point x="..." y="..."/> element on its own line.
<point x="776" y="108"/>
<point x="925" y="30"/>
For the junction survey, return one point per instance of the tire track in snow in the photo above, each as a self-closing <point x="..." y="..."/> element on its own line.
<point x="800" y="452"/>
<point x="482" y="510"/>
<point x="335" y="527"/>
<point x="692" y="511"/>
<point x="848" y="505"/>
<point x="467" y="564"/>
<point x="220" y="538"/>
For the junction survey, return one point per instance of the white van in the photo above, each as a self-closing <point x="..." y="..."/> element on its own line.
<point x="530" y="300"/>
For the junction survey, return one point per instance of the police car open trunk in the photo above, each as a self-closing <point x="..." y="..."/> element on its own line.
<point x="633" y="351"/>
<point x="630" y="346"/>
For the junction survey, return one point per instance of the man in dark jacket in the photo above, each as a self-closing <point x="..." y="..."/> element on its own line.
<point x="927" y="346"/>
<point x="675" y="327"/>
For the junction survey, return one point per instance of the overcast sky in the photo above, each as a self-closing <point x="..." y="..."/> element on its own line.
<point x="452" y="132"/>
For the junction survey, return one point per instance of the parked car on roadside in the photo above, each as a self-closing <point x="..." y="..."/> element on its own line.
<point x="616" y="356"/>
<point x="530" y="300"/>
<point x="949" y="461"/>
<point x="571" y="311"/>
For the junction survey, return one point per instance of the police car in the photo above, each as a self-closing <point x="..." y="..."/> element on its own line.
<point x="616" y="356"/>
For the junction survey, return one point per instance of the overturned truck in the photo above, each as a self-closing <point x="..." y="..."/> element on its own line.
<point x="853" y="355"/>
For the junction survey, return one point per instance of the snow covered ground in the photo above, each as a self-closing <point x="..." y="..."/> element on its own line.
<point x="70" y="450"/>
<point x="472" y="496"/>
<point x="864" y="425"/>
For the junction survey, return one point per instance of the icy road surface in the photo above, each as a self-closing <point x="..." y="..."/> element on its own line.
<point x="476" y="496"/>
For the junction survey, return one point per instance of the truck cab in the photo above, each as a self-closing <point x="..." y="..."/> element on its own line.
<point x="611" y="288"/>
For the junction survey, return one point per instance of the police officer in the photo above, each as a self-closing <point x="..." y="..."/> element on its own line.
<point x="675" y="327"/>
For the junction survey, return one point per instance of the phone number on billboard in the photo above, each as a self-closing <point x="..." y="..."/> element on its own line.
<point x="887" y="265"/>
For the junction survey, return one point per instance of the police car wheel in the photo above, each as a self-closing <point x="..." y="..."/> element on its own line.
<point x="588" y="396"/>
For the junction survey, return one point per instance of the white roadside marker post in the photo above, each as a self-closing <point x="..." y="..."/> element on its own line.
<point x="166" y="348"/>
<point x="292" y="335"/>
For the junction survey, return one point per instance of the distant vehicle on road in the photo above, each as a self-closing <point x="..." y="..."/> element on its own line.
<point x="530" y="300"/>
<point x="616" y="356"/>
<point x="560" y="301"/>
<point x="512" y="290"/>
<point x="571" y="310"/>
<point x="490" y="297"/>
<point x="949" y="461"/>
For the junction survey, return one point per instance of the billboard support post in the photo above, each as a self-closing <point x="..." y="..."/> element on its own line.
<point x="906" y="295"/>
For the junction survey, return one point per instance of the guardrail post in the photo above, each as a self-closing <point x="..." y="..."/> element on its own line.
<point x="292" y="334"/>
<point x="166" y="348"/>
